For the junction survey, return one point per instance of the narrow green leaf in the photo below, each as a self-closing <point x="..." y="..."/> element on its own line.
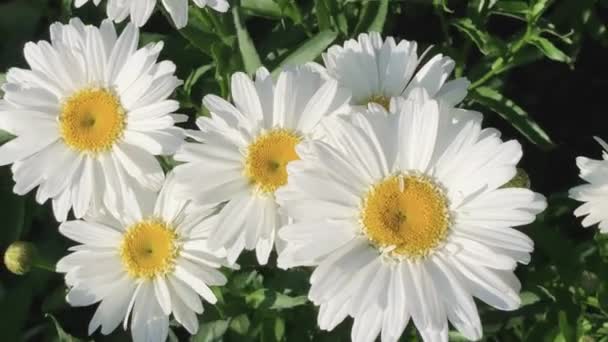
<point x="322" y="13"/>
<point x="378" y="23"/>
<point x="250" y="56"/>
<point x="194" y="77"/>
<point x="537" y="9"/>
<point x="66" y="9"/>
<point x="513" y="114"/>
<point x="487" y="44"/>
<point x="240" y="324"/>
<point x="61" y="334"/>
<point x="549" y="49"/>
<point x="211" y="331"/>
<point x="372" y="17"/>
<point x="264" y="8"/>
<point x="309" y="50"/>
<point x="513" y="7"/>
<point x="197" y="37"/>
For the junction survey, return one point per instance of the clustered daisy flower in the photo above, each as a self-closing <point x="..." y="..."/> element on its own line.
<point x="595" y="193"/>
<point x="242" y="152"/>
<point x="89" y="116"/>
<point x="362" y="169"/>
<point x="150" y="261"/>
<point x="139" y="11"/>
<point x="400" y="227"/>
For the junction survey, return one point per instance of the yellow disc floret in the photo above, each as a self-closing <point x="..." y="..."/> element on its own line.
<point x="407" y="214"/>
<point x="149" y="248"/>
<point x="382" y="100"/>
<point x="268" y="156"/>
<point x="92" y="120"/>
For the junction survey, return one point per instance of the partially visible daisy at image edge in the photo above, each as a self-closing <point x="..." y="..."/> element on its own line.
<point x="594" y="194"/>
<point x="376" y="69"/>
<point x="140" y="11"/>
<point x="89" y="115"/>
<point x="242" y="150"/>
<point x="151" y="262"/>
<point x="402" y="225"/>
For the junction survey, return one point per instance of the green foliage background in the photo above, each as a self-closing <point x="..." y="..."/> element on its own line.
<point x="538" y="72"/>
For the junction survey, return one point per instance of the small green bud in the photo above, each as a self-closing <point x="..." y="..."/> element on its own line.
<point x="520" y="180"/>
<point x="20" y="257"/>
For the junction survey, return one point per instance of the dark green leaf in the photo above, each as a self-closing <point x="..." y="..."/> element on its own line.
<point x="372" y="17"/>
<point x="487" y="44"/>
<point x="265" y="8"/>
<point x="511" y="7"/>
<point x="61" y="334"/>
<point x="268" y="299"/>
<point x="514" y="114"/>
<point x="309" y="50"/>
<point x="549" y="50"/>
<point x="537" y="9"/>
<point x="251" y="60"/>
<point x="210" y="331"/>
<point x="323" y="16"/>
<point x="240" y="324"/>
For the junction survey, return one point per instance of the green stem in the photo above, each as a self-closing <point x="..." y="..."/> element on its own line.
<point x="501" y="64"/>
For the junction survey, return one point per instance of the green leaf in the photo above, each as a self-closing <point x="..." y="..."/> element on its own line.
<point x="264" y="8"/>
<point x="373" y="16"/>
<point x="268" y="299"/>
<point x="528" y="298"/>
<point x="309" y="50"/>
<point x="549" y="50"/>
<point x="61" y="334"/>
<point x="194" y="76"/>
<point x="484" y="42"/>
<point x="565" y="328"/>
<point x="323" y="16"/>
<point x="250" y="56"/>
<point x="514" y="114"/>
<point x="537" y="9"/>
<point x="512" y="7"/>
<point x="211" y="331"/>
<point x="279" y="328"/>
<point x="240" y="324"/>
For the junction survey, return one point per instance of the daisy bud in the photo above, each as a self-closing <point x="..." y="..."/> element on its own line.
<point x="520" y="180"/>
<point x="19" y="257"/>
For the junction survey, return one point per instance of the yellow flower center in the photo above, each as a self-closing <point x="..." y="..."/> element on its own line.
<point x="382" y="100"/>
<point x="406" y="213"/>
<point x="92" y="120"/>
<point x="149" y="248"/>
<point x="268" y="156"/>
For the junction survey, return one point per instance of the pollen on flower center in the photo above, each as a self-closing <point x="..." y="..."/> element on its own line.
<point x="268" y="156"/>
<point x="408" y="213"/>
<point x="92" y="120"/>
<point x="149" y="248"/>
<point x="382" y="100"/>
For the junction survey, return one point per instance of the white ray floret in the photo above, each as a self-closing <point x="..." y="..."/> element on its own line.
<point x="376" y="69"/>
<point x="403" y="217"/>
<point x="150" y="262"/>
<point x="242" y="151"/>
<point x="89" y="115"/>
<point x="594" y="194"/>
<point x="139" y="11"/>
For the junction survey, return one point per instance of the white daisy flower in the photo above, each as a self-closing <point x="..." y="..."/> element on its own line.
<point x="245" y="150"/>
<point x="140" y="10"/>
<point x="595" y="193"/>
<point x="404" y="217"/>
<point x="375" y="70"/>
<point x="89" y="116"/>
<point x="148" y="263"/>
